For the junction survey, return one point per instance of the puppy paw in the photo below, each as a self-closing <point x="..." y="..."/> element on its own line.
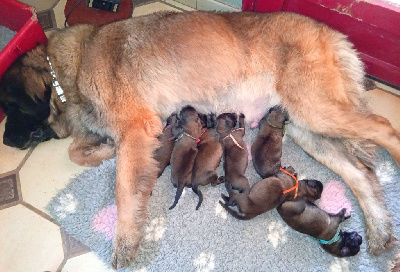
<point x="125" y="249"/>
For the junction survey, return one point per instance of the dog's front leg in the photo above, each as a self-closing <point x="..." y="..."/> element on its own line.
<point x="363" y="183"/>
<point x="135" y="177"/>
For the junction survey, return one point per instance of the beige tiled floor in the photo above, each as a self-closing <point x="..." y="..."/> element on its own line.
<point x="30" y="240"/>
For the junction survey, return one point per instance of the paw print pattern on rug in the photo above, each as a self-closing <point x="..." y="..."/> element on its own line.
<point x="105" y="221"/>
<point x="333" y="198"/>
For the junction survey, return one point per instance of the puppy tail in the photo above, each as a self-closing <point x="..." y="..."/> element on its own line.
<point x="178" y="194"/>
<point x="235" y="213"/>
<point x="195" y="188"/>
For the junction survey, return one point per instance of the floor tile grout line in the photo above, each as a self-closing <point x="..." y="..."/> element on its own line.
<point x="39" y="212"/>
<point x="62" y="264"/>
<point x="21" y="164"/>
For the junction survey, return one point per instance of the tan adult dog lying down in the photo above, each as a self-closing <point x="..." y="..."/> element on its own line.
<point x="121" y="79"/>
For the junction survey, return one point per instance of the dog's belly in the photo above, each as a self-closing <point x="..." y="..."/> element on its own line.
<point x="252" y="97"/>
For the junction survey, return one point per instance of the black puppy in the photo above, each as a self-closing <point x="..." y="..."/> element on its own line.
<point x="187" y="132"/>
<point x="235" y="152"/>
<point x="306" y="217"/>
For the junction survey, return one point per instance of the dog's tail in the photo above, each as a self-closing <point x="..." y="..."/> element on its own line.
<point x="195" y="188"/>
<point x="178" y="194"/>
<point x="235" y="213"/>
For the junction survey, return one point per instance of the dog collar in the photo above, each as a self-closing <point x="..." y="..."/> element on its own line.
<point x="233" y="138"/>
<point x="188" y="135"/>
<point x="331" y="241"/>
<point x="56" y="85"/>
<point x="296" y="187"/>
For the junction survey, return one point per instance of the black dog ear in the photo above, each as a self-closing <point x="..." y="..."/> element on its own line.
<point x="211" y="120"/>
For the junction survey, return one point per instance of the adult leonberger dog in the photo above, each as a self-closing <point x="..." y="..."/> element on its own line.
<point x="122" y="79"/>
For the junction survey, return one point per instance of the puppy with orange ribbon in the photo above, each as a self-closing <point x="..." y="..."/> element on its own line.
<point x="270" y="192"/>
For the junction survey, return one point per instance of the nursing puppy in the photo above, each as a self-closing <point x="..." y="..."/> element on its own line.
<point x="306" y="217"/>
<point x="270" y="192"/>
<point x="187" y="133"/>
<point x="167" y="140"/>
<point x="235" y="152"/>
<point x="208" y="157"/>
<point x="122" y="79"/>
<point x="266" y="150"/>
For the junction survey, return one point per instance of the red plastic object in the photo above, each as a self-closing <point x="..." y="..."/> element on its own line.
<point x="373" y="27"/>
<point x="21" y="18"/>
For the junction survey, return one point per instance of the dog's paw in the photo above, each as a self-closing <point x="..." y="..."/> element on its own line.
<point x="125" y="249"/>
<point x="380" y="240"/>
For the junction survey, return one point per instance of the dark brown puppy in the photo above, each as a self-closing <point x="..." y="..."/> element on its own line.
<point x="208" y="158"/>
<point x="269" y="193"/>
<point x="187" y="132"/>
<point x="266" y="150"/>
<point x="163" y="153"/>
<point x="306" y="217"/>
<point x="235" y="152"/>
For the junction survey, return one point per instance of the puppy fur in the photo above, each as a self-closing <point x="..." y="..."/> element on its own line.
<point x="268" y="193"/>
<point x="208" y="157"/>
<point x="185" y="150"/>
<point x="163" y="153"/>
<point x="306" y="217"/>
<point x="266" y="150"/>
<point x="234" y="152"/>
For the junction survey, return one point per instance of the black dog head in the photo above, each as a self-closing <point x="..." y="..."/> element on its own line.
<point x="25" y="98"/>
<point x="310" y="189"/>
<point x="350" y="244"/>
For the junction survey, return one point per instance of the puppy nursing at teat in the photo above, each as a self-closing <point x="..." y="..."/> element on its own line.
<point x="235" y="152"/>
<point x="208" y="157"/>
<point x="187" y="132"/>
<point x="266" y="150"/>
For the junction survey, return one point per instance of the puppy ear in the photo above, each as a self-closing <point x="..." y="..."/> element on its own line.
<point x="211" y="120"/>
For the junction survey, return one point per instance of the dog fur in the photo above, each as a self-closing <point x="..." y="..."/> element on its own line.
<point x="167" y="140"/>
<point x="234" y="152"/>
<point x="208" y="157"/>
<point x="120" y="80"/>
<point x="185" y="150"/>
<point x="266" y="149"/>
<point x="306" y="217"/>
<point x="268" y="194"/>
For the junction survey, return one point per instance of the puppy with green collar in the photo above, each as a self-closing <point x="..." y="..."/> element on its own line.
<point x="306" y="217"/>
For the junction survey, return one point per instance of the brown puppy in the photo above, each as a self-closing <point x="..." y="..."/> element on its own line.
<point x="120" y="80"/>
<point x="208" y="158"/>
<point x="266" y="150"/>
<point x="187" y="134"/>
<point x="163" y="153"/>
<point x="306" y="217"/>
<point x="269" y="193"/>
<point x="235" y="152"/>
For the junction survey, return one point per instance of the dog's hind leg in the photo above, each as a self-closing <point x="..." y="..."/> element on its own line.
<point x="362" y="181"/>
<point x="178" y="194"/>
<point x="195" y="188"/>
